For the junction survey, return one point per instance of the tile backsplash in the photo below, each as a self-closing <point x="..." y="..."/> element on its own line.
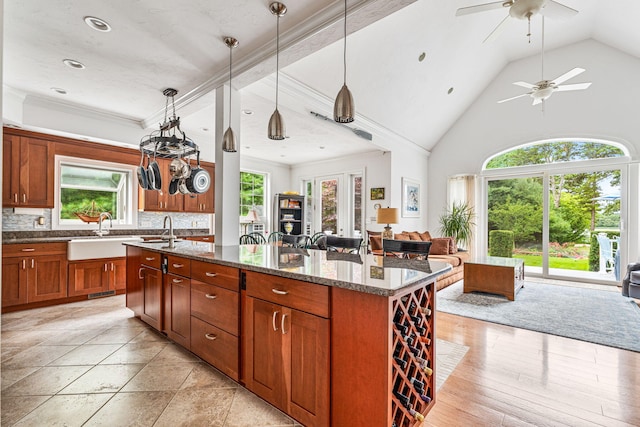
<point x="149" y="220"/>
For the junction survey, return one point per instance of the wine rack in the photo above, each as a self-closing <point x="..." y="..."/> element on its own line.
<point x="413" y="338"/>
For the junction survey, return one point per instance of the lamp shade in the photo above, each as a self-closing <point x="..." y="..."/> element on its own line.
<point x="388" y="216"/>
<point x="253" y="215"/>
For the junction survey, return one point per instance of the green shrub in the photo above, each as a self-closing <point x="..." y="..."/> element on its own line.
<point x="594" y="253"/>
<point x="501" y="243"/>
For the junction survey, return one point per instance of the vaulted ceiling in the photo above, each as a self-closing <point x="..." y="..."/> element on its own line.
<point x="414" y="67"/>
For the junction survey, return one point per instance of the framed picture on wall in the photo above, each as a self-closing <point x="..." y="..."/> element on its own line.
<point x="377" y="193"/>
<point x="410" y="198"/>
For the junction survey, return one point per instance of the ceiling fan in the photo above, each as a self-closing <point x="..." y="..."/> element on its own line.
<point x="520" y="9"/>
<point x="543" y="89"/>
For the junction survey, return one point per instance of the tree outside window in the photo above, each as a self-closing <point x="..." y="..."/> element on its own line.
<point x="252" y="193"/>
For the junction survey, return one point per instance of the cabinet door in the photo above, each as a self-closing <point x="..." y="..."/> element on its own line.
<point x="88" y="277"/>
<point x="171" y="203"/>
<point x="36" y="173"/>
<point x="177" y="309"/>
<point x="152" y="306"/>
<point x="135" y="279"/>
<point x="263" y="363"/>
<point x="14" y="281"/>
<point x="202" y="203"/>
<point x="10" y="170"/>
<point x="118" y="272"/>
<point x="47" y="277"/>
<point x="306" y="340"/>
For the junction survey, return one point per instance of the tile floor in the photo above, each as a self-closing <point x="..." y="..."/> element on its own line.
<point x="92" y="364"/>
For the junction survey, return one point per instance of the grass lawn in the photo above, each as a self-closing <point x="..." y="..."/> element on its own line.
<point x="554" y="262"/>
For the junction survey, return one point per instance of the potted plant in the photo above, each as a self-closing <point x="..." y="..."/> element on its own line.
<point x="457" y="222"/>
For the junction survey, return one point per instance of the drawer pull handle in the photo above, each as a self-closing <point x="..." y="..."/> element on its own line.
<point x="150" y="258"/>
<point x="210" y="296"/>
<point x="178" y="265"/>
<point x="210" y="337"/>
<point x="32" y="263"/>
<point x="24" y="264"/>
<point x="24" y="198"/>
<point x="140" y="273"/>
<point x="105" y="267"/>
<point x="211" y="274"/>
<point x="273" y="320"/>
<point x="279" y="292"/>
<point x="15" y="197"/>
<point x="284" y="316"/>
<point x="177" y="280"/>
<point x="28" y="250"/>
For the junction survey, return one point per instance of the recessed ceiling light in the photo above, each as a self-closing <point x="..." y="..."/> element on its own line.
<point x="322" y="147"/>
<point x="205" y="129"/>
<point x="59" y="90"/>
<point x="97" y="24"/>
<point x="449" y="91"/>
<point x="72" y="63"/>
<point x="247" y="147"/>
<point x="422" y="56"/>
<point x="247" y="112"/>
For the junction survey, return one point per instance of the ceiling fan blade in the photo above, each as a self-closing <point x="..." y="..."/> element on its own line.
<point x="568" y="75"/>
<point x="577" y="86"/>
<point x="479" y="8"/>
<point x="515" y="97"/>
<point x="498" y="30"/>
<point x="555" y="10"/>
<point x="524" y="84"/>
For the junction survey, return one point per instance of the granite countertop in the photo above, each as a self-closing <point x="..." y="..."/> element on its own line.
<point x="55" y="236"/>
<point x="372" y="274"/>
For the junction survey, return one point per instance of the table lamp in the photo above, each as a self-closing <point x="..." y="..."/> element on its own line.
<point x="252" y="216"/>
<point x="387" y="216"/>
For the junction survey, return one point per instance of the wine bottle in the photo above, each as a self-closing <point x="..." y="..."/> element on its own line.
<point x="425" y="398"/>
<point x="416" y="415"/>
<point x="425" y="340"/>
<point x="424" y="365"/>
<point x="419" y="385"/>
<point x="426" y="311"/>
<point x="401" y="363"/>
<point x="401" y="328"/>
<point x="397" y="316"/>
<point x="421" y="330"/>
<point x="402" y="398"/>
<point x="415" y="350"/>
<point x="417" y="320"/>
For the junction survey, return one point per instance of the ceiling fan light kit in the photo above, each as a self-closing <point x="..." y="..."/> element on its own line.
<point x="229" y="137"/>
<point x="344" y="109"/>
<point x="276" y="129"/>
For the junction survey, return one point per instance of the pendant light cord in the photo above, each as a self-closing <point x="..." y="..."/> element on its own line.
<point x="277" y="57"/>
<point x="345" y="43"/>
<point x="230" y="49"/>
<point x="542" y="78"/>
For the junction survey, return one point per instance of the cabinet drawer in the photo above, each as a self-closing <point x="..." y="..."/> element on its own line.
<point x="31" y="249"/>
<point x="214" y="274"/>
<point x="303" y="296"/>
<point x="179" y="265"/>
<point x="215" y="305"/>
<point x="151" y="259"/>
<point x="215" y="346"/>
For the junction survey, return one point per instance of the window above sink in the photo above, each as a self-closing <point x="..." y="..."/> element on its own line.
<point x="84" y="185"/>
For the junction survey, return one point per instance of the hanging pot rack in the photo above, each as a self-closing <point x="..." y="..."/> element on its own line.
<point x="169" y="142"/>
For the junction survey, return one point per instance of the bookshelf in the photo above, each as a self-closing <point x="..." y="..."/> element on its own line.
<point x="288" y="209"/>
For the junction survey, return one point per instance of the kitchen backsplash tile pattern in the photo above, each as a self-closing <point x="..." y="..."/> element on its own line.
<point x="149" y="220"/>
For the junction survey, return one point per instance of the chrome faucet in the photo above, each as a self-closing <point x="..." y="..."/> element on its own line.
<point x="171" y="236"/>
<point x="101" y="218"/>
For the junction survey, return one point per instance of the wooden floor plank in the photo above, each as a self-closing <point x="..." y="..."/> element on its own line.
<point x="529" y="378"/>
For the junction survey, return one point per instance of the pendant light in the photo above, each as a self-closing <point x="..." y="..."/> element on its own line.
<point x="229" y="138"/>
<point x="344" y="109"/>
<point x="276" y="128"/>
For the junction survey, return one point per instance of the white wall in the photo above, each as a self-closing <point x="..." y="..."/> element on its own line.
<point x="412" y="163"/>
<point x="608" y="110"/>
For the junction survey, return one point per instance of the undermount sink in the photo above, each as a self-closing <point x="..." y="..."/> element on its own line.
<point x="99" y="247"/>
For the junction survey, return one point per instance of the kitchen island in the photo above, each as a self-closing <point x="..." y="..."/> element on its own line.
<point x="329" y="338"/>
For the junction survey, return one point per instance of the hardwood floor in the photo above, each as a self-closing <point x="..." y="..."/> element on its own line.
<point x="516" y="377"/>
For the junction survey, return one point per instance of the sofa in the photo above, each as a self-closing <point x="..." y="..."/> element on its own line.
<point x="442" y="249"/>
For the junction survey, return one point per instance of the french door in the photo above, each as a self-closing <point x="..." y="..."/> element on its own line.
<point x="336" y="202"/>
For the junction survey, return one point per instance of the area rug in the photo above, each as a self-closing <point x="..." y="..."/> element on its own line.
<point x="448" y="355"/>
<point x="595" y="316"/>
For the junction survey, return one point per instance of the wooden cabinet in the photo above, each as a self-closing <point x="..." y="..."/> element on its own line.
<point x="28" y="172"/>
<point x="152" y="290"/>
<point x="155" y="200"/>
<point x="215" y="315"/>
<point x="177" y="300"/>
<point x="33" y="273"/>
<point x="98" y="275"/>
<point x="286" y="349"/>
<point x="135" y="281"/>
<point x="209" y="238"/>
<point x="202" y="203"/>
